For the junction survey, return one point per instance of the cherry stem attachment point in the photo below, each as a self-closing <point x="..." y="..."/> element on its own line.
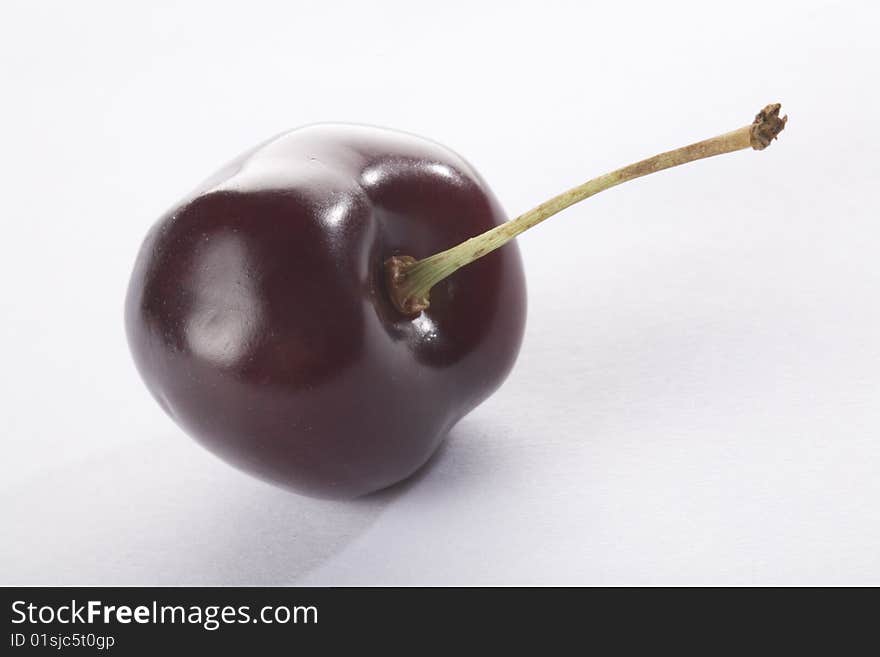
<point x="409" y="281"/>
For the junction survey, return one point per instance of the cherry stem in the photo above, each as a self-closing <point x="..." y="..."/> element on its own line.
<point x="410" y="281"/>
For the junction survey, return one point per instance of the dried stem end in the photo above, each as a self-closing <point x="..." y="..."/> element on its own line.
<point x="767" y="126"/>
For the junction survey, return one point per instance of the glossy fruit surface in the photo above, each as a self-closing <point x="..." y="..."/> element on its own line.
<point x="258" y="317"/>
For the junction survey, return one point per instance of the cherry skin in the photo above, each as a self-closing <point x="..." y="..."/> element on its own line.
<point x="259" y="318"/>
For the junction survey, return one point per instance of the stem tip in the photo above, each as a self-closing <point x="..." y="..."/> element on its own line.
<point x="767" y="126"/>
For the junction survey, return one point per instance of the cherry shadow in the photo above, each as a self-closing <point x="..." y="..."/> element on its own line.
<point x="168" y="513"/>
<point x="279" y="537"/>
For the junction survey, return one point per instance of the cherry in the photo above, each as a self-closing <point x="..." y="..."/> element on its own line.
<point x="280" y="316"/>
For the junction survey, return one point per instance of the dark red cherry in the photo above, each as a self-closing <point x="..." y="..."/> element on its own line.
<point x="259" y="318"/>
<point x="326" y="307"/>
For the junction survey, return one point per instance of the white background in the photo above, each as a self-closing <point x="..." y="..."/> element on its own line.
<point x="697" y="400"/>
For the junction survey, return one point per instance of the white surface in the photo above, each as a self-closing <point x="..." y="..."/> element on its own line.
<point x="700" y="405"/>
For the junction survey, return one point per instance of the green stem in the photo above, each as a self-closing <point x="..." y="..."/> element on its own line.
<point x="410" y="280"/>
